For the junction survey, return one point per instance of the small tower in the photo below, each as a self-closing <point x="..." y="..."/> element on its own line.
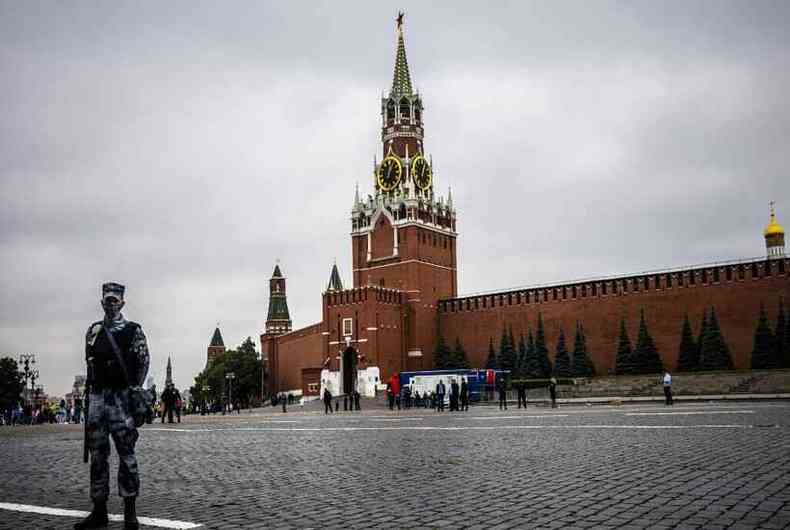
<point x="278" y="320"/>
<point x="335" y="283"/>
<point x="169" y="376"/>
<point x="215" y="349"/>
<point x="774" y="237"/>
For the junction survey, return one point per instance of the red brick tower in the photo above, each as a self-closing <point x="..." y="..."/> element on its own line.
<point x="278" y="322"/>
<point x="216" y="347"/>
<point x="403" y="235"/>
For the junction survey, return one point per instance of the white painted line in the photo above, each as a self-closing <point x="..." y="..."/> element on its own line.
<point x="398" y="419"/>
<point x="468" y="428"/>
<point x="43" y="510"/>
<point x="689" y="413"/>
<point x="509" y="417"/>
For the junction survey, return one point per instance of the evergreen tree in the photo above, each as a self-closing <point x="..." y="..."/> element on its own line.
<point x="688" y="352"/>
<point x="624" y="363"/>
<point x="11" y="384"/>
<point x="541" y="351"/>
<point x="780" y="340"/>
<point x="786" y="341"/>
<point x="580" y="361"/>
<point x="714" y="354"/>
<point x="442" y="354"/>
<point x="703" y="330"/>
<point x="562" y="362"/>
<point x="532" y="364"/>
<point x="491" y="362"/>
<point x="507" y="354"/>
<point x="763" y="353"/>
<point x="521" y="364"/>
<point x="459" y="358"/>
<point x="646" y="357"/>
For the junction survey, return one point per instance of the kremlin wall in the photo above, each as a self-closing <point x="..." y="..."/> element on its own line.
<point x="405" y="276"/>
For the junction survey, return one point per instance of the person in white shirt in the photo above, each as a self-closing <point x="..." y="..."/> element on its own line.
<point x="668" y="388"/>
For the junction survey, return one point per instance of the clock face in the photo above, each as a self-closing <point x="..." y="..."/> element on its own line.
<point x="421" y="173"/>
<point x="390" y="172"/>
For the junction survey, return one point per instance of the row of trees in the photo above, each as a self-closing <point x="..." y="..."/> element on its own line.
<point x="709" y="352"/>
<point x="11" y="384"/>
<point x="772" y="348"/>
<point x="529" y="357"/>
<point x="244" y="362"/>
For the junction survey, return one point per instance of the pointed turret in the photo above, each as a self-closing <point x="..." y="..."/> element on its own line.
<point x="401" y="80"/>
<point x="169" y="376"/>
<point x="774" y="236"/>
<point x="335" y="283"/>
<point x="278" y="320"/>
<point x="216" y="347"/>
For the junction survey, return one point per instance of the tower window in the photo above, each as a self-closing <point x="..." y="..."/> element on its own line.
<point x="405" y="111"/>
<point x="390" y="111"/>
<point x="603" y="288"/>
<point x="781" y="266"/>
<point x="595" y="289"/>
<point x="564" y="293"/>
<point x="573" y="292"/>
<point x="584" y="291"/>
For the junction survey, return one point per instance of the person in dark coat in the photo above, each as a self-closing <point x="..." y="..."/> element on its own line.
<point x="553" y="392"/>
<point x="522" y="395"/>
<point x="464" y="394"/>
<point x="327" y="401"/>
<point x="440" y="392"/>
<point x="502" y="389"/>
<point x="454" y="395"/>
<point x="356" y="400"/>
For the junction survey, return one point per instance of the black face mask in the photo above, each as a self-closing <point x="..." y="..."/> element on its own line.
<point x="112" y="307"/>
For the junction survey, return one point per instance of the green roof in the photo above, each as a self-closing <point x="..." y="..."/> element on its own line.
<point x="216" y="340"/>
<point x="278" y="308"/>
<point x="335" y="283"/>
<point x="401" y="81"/>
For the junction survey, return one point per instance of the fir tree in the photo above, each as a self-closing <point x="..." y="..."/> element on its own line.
<point x="442" y="354"/>
<point x="624" y="363"/>
<point x="646" y="357"/>
<point x="714" y="354"/>
<point x="491" y="362"/>
<point x="786" y="342"/>
<point x="763" y="353"/>
<point x="580" y="361"/>
<point x="541" y="351"/>
<point x="780" y="337"/>
<point x="562" y="363"/>
<point x="703" y="330"/>
<point x="507" y="354"/>
<point x="459" y="358"/>
<point x="532" y="364"/>
<point x="688" y="352"/>
<point x="521" y="359"/>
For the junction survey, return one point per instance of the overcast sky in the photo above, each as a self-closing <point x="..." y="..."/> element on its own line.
<point x="181" y="148"/>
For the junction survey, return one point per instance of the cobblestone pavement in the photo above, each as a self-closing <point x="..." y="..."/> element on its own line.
<point x="696" y="465"/>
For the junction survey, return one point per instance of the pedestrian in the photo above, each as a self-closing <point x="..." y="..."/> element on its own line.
<point x="284" y="399"/>
<point x="390" y="396"/>
<point x="502" y="389"/>
<point x="116" y="352"/>
<point x="667" y="388"/>
<point x="553" y="392"/>
<point x="356" y="400"/>
<point x="345" y="402"/>
<point x="440" y="391"/>
<point x="464" y="394"/>
<point x="455" y="394"/>
<point x="337" y="405"/>
<point x="178" y="403"/>
<point x="522" y="394"/>
<point x="327" y="401"/>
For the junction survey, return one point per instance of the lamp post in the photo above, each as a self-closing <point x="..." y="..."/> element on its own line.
<point x="230" y="376"/>
<point x="204" y="390"/>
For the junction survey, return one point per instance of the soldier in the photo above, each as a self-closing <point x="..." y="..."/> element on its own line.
<point x="110" y="413"/>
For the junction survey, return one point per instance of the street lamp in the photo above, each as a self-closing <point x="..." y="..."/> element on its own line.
<point x="230" y="376"/>
<point x="204" y="390"/>
<point x="26" y="359"/>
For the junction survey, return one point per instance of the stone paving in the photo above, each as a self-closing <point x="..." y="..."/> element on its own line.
<point x="695" y="465"/>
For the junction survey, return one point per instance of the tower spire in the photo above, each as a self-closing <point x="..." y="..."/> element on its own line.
<point x="401" y="80"/>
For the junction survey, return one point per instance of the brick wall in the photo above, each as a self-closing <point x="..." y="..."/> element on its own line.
<point x="294" y="351"/>
<point x="735" y="290"/>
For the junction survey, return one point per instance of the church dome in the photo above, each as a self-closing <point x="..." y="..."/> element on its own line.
<point x="773" y="227"/>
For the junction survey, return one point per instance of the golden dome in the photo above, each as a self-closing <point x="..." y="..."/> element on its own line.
<point x="773" y="227"/>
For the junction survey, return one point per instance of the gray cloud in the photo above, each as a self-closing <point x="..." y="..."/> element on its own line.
<point x="183" y="148"/>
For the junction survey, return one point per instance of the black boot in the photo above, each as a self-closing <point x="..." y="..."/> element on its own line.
<point x="96" y="519"/>
<point x="130" y="514"/>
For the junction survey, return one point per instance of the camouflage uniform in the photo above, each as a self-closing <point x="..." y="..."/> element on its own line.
<point x="108" y="409"/>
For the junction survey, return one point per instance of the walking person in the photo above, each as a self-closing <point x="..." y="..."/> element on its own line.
<point x="455" y="394"/>
<point x="553" y="392"/>
<point x="464" y="394"/>
<point x="522" y="394"/>
<point x="667" y="381"/>
<point x="440" y="391"/>
<point x="327" y="401"/>
<point x="116" y="352"/>
<point x="502" y="390"/>
<point x="356" y="400"/>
